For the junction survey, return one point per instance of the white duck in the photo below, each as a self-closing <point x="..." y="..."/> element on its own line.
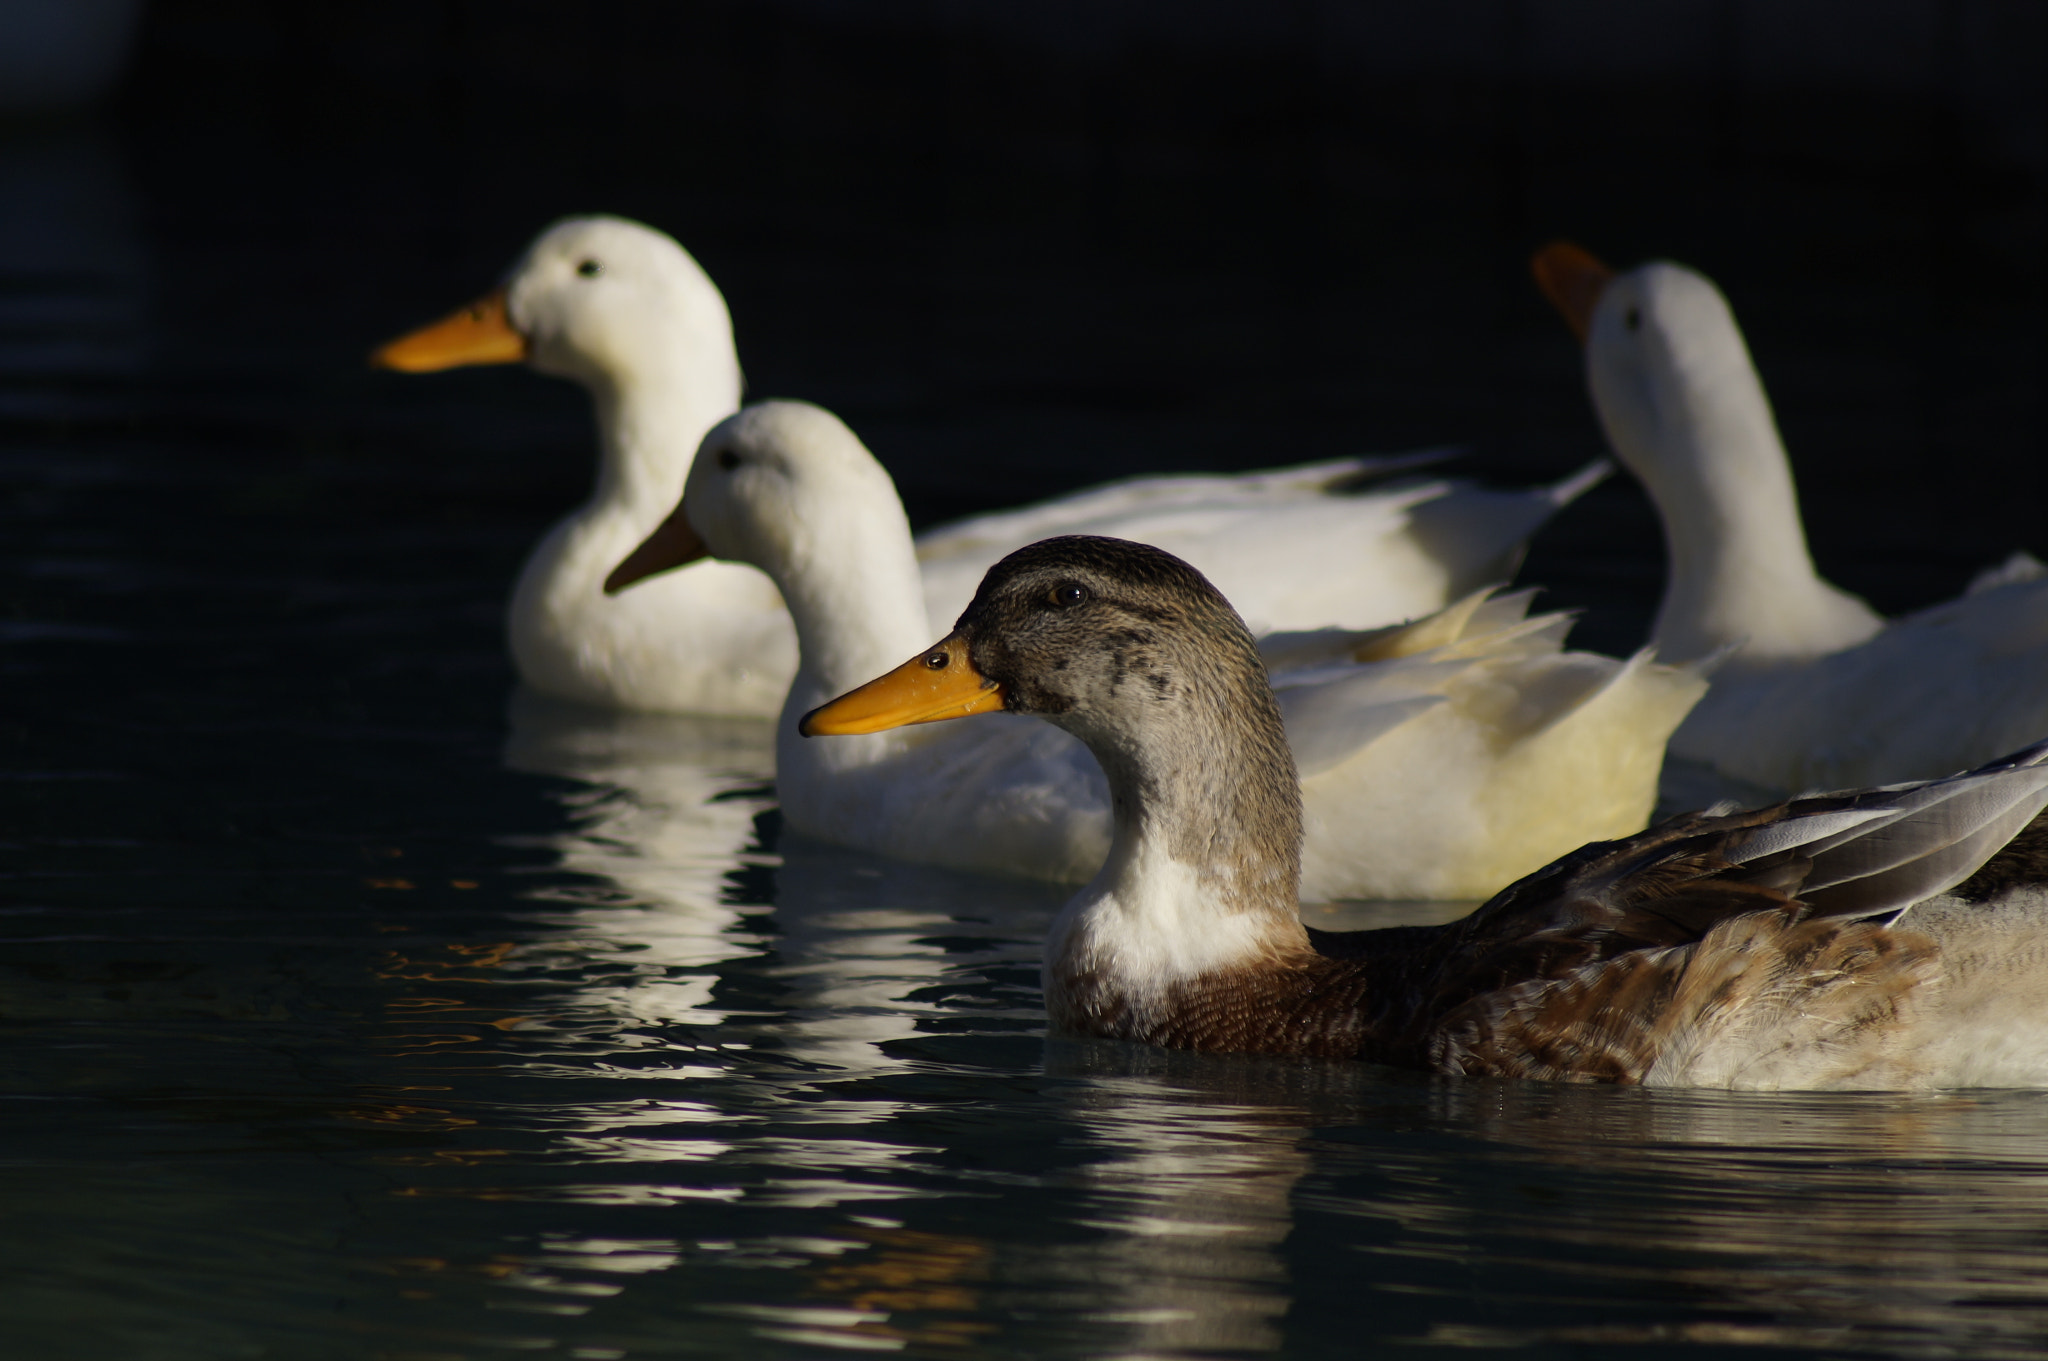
<point x="1818" y="691"/>
<point x="623" y="310"/>
<point x="1888" y="938"/>
<point x="1442" y="757"/>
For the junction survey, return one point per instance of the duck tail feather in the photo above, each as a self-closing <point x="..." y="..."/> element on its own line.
<point x="1883" y="850"/>
<point x="1570" y="488"/>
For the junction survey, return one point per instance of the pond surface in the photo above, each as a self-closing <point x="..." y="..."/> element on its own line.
<point x="356" y="1005"/>
<point x="352" y="1010"/>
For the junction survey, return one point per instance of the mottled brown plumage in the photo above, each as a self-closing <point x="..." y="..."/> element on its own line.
<point x="1739" y="949"/>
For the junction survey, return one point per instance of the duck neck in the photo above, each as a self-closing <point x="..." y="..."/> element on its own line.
<point x="1199" y="894"/>
<point x="1741" y="572"/>
<point x="853" y="588"/>
<point x="650" y="421"/>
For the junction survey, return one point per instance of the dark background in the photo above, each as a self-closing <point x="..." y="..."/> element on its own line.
<point x="1022" y="248"/>
<point x="256" y="820"/>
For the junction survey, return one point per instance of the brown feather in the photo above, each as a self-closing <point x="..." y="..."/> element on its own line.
<point x="1760" y="988"/>
<point x="1683" y="954"/>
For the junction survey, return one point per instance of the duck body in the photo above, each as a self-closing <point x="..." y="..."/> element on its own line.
<point x="1966" y="679"/>
<point x="1816" y="689"/>
<point x="1463" y="745"/>
<point x="1893" y="938"/>
<point x="1298" y="546"/>
<point x="1471" y="750"/>
<point x="567" y="639"/>
<point x="625" y="312"/>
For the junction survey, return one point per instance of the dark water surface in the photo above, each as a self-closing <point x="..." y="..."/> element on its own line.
<point x="356" y="1027"/>
<point x="352" y="1005"/>
<point x="351" y="1012"/>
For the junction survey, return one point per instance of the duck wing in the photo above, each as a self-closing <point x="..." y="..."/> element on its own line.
<point x="1736" y="948"/>
<point x="1292" y="548"/>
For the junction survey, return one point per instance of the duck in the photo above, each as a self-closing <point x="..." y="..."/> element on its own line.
<point x="1816" y="689"/>
<point x="623" y="310"/>
<point x="627" y="314"/>
<point x="1441" y="754"/>
<point x="1890" y="938"/>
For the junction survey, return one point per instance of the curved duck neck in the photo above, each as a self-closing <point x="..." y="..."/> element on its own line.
<point x="1741" y="572"/>
<point x="650" y="421"/>
<point x="1203" y="875"/>
<point x="854" y="590"/>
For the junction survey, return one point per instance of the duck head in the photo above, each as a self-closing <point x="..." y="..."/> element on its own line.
<point x="1096" y="635"/>
<point x="1683" y="408"/>
<point x="1135" y="653"/>
<point x="786" y="487"/>
<point x="776" y="485"/>
<point x="600" y="300"/>
<point x="1669" y="372"/>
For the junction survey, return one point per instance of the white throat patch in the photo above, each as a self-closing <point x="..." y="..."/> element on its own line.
<point x="1147" y="922"/>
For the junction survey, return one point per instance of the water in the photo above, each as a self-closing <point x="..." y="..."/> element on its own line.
<point x="350" y="1013"/>
<point x="656" y="1082"/>
<point x="355" y="1005"/>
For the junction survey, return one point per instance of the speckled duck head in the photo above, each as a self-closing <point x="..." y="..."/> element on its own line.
<point x="1135" y="653"/>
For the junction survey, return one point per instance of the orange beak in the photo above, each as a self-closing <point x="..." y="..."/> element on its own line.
<point x="938" y="685"/>
<point x="1573" y="280"/>
<point x="672" y="544"/>
<point x="480" y="333"/>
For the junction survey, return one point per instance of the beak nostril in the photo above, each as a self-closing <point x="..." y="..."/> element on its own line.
<point x="937" y="661"/>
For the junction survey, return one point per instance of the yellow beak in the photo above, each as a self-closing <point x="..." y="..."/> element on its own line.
<point x="930" y="688"/>
<point x="480" y="333"/>
<point x="672" y="544"/>
<point x="1573" y="279"/>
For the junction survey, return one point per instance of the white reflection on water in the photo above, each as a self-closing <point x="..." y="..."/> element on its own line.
<point x="1193" y="1199"/>
<point x="868" y="948"/>
<point x="1190" y="1204"/>
<point x="667" y="815"/>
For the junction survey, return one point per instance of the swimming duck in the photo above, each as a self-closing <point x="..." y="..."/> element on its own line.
<point x="626" y="312"/>
<point x="1818" y="690"/>
<point x="1876" y="939"/>
<point x="1443" y="756"/>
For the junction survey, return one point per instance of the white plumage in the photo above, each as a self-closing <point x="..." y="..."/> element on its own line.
<point x="1817" y="690"/>
<point x="626" y="312"/>
<point x="1443" y="757"/>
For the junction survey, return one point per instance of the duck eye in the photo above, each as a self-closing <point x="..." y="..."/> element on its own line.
<point x="728" y="460"/>
<point x="590" y="269"/>
<point x="938" y="661"/>
<point x="1633" y="319"/>
<point x="1069" y="595"/>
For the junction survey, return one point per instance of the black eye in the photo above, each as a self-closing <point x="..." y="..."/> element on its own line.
<point x="1632" y="319"/>
<point x="590" y="269"/>
<point x="728" y="460"/>
<point x="1069" y="595"/>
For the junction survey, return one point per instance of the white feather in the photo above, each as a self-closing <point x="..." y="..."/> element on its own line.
<point x="649" y="336"/>
<point x="1472" y="751"/>
<point x="1820" y="691"/>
